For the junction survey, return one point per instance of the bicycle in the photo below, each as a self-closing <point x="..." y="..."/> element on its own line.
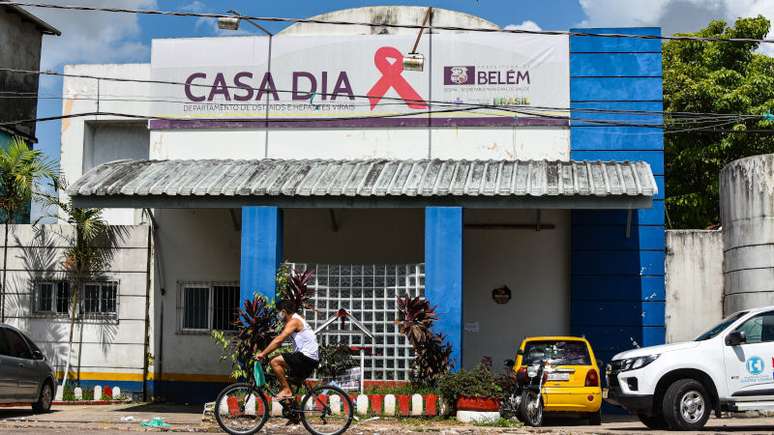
<point x="243" y="409"/>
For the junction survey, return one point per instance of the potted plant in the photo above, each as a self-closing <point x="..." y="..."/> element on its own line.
<point x="473" y="394"/>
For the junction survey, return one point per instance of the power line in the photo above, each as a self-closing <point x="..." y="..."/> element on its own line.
<point x="389" y="25"/>
<point x="400" y="100"/>
<point x="679" y="116"/>
<point x="707" y="129"/>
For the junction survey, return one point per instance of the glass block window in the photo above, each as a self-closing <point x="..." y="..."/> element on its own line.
<point x="369" y="293"/>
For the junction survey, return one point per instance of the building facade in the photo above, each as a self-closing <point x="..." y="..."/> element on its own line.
<point x="21" y="36"/>
<point x="510" y="161"/>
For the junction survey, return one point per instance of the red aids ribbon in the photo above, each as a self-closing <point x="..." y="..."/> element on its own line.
<point x="392" y="78"/>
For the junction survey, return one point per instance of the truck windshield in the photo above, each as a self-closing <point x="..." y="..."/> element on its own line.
<point x="720" y="327"/>
<point x="559" y="352"/>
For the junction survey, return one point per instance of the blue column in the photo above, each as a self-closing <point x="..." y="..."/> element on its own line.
<point x="443" y="273"/>
<point x="261" y="251"/>
<point x="618" y="275"/>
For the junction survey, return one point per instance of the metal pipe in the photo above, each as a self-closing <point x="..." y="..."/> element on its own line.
<point x="421" y="30"/>
<point x="146" y="344"/>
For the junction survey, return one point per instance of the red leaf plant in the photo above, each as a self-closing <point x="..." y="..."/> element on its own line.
<point x="432" y="352"/>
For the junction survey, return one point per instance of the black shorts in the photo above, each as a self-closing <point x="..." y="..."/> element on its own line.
<point x="299" y="365"/>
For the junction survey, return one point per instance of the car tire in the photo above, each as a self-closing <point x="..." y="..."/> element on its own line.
<point x="655" y="422"/>
<point x="686" y="405"/>
<point x="45" y="399"/>
<point x="595" y="419"/>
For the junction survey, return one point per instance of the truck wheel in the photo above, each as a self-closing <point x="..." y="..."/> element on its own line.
<point x="655" y="422"/>
<point x="686" y="405"/>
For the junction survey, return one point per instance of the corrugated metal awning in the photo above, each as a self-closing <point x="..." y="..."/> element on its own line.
<point x="365" y="183"/>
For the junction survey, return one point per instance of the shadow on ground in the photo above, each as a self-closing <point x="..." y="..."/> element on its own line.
<point x="6" y="413"/>
<point x="162" y="408"/>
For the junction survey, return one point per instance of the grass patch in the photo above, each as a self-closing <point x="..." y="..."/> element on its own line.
<point x="423" y="421"/>
<point x="69" y="394"/>
<point x="501" y="422"/>
<point x="398" y="389"/>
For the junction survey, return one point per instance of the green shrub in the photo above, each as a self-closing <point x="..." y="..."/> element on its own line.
<point x="335" y="359"/>
<point x="479" y="382"/>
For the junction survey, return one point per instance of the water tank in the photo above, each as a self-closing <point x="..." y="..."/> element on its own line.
<point x="747" y="215"/>
<point x="381" y="15"/>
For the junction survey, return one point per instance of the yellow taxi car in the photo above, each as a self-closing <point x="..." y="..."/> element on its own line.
<point x="574" y="384"/>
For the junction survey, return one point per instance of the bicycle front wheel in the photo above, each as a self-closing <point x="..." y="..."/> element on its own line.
<point x="326" y="410"/>
<point x="241" y="409"/>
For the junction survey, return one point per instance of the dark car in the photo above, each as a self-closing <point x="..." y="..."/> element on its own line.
<point x="25" y="374"/>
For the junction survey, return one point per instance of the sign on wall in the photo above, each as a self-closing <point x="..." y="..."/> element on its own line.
<point x="323" y="77"/>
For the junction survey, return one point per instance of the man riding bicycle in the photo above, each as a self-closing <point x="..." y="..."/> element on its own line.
<point x="305" y="356"/>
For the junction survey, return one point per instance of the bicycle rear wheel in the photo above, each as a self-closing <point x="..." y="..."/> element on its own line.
<point x="326" y="410"/>
<point x="241" y="409"/>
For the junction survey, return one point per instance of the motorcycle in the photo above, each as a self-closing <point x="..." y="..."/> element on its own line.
<point x="523" y="398"/>
<point x="531" y="381"/>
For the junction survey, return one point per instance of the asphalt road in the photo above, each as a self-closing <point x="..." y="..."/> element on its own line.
<point x="110" y="419"/>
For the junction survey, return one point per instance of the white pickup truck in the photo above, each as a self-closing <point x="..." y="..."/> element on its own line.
<point x="676" y="386"/>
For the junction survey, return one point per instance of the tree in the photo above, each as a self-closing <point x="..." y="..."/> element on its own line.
<point x="714" y="77"/>
<point x="20" y="166"/>
<point x="90" y="254"/>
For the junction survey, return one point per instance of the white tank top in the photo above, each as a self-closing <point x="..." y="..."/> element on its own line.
<point x="305" y="341"/>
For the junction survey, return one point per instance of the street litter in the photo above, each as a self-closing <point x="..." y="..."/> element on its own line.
<point x="127" y="418"/>
<point x="156" y="422"/>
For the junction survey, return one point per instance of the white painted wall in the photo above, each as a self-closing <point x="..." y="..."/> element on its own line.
<point x="87" y="141"/>
<point x="399" y="143"/>
<point x="382" y="15"/>
<point x="694" y="282"/>
<point x="364" y="236"/>
<point x="194" y="245"/>
<point x="535" y="265"/>
<point x="37" y="253"/>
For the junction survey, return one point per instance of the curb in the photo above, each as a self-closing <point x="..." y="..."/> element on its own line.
<point x="89" y="402"/>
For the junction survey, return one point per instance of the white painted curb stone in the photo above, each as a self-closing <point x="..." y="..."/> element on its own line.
<point x="97" y="393"/>
<point x="250" y="405"/>
<point x="223" y="408"/>
<point x="416" y="405"/>
<point x="362" y="404"/>
<point x="477" y="417"/>
<point x="335" y="404"/>
<point x="276" y="408"/>
<point x="77" y="393"/>
<point x="389" y="404"/>
<point x="442" y="406"/>
<point x="116" y="393"/>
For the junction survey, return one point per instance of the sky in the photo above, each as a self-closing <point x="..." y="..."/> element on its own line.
<point x="89" y="37"/>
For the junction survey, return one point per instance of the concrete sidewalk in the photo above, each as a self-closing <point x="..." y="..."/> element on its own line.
<point x="108" y="419"/>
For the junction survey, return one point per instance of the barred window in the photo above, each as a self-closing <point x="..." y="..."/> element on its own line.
<point x="52" y="297"/>
<point x="203" y="307"/>
<point x="99" y="298"/>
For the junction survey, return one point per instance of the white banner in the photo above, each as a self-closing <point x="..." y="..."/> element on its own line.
<point x="318" y="77"/>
